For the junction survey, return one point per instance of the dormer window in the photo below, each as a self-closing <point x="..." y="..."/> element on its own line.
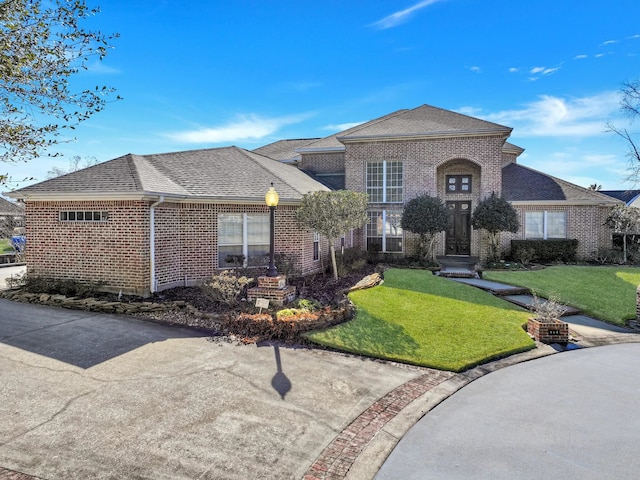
<point x="458" y="183"/>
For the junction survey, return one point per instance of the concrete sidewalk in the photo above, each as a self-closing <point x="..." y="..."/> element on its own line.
<point x="8" y="271"/>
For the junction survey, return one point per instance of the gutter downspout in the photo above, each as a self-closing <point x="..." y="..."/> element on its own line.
<point x="152" y="242"/>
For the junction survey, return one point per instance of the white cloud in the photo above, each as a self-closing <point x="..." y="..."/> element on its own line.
<point x="609" y="42"/>
<point x="474" y="68"/>
<point x="514" y="70"/>
<point x="401" y="16"/>
<point x="101" y="68"/>
<point x="340" y="127"/>
<point x="580" y="57"/>
<point x="543" y="70"/>
<point x="471" y="111"/>
<point x="244" y="127"/>
<point x="559" y="117"/>
<point x="634" y="36"/>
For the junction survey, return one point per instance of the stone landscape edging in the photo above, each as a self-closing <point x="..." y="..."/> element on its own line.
<point x="326" y="319"/>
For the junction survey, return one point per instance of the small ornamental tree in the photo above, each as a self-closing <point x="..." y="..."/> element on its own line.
<point x="333" y="214"/>
<point x="495" y="214"/>
<point x="425" y="216"/>
<point x="624" y="220"/>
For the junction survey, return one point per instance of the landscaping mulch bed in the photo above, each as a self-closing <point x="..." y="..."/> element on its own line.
<point x="213" y="316"/>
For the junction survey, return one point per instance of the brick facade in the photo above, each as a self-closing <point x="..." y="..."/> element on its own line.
<point x="116" y="252"/>
<point x="426" y="164"/>
<point x="322" y="162"/>
<point x="585" y="223"/>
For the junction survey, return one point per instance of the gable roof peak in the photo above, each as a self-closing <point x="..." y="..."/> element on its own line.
<point x="423" y="121"/>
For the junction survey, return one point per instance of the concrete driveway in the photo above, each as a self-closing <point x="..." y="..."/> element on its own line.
<point x="87" y="395"/>
<point x="570" y="415"/>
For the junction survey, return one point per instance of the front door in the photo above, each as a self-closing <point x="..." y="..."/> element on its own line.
<point x="458" y="240"/>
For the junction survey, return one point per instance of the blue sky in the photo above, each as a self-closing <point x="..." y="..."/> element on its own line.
<point x="200" y="74"/>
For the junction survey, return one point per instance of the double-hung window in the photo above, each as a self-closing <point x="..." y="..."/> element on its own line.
<point x="384" y="185"/>
<point x="545" y="225"/>
<point x="243" y="239"/>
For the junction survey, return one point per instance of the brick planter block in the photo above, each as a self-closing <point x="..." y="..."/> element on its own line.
<point x="555" y="331"/>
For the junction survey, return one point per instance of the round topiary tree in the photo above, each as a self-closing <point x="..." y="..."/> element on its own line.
<point x="495" y="214"/>
<point x="425" y="216"/>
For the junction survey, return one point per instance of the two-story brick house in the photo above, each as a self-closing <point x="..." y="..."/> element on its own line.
<point x="460" y="159"/>
<point x="144" y="223"/>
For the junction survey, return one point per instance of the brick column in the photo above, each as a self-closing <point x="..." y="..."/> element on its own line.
<point x="274" y="289"/>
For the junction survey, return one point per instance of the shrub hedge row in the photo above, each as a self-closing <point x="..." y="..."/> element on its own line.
<point x="544" y="250"/>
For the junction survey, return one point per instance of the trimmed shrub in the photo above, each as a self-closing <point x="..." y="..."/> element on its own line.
<point x="545" y="251"/>
<point x="55" y="286"/>
<point x="226" y="287"/>
<point x="350" y="260"/>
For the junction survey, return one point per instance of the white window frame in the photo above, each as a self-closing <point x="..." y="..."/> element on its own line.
<point x="384" y="234"/>
<point x="545" y="225"/>
<point x="245" y="237"/>
<point x="385" y="184"/>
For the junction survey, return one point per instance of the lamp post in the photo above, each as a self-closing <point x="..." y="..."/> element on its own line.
<point x="271" y="199"/>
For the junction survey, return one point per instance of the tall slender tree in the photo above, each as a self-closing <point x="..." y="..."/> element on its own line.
<point x="333" y="214"/>
<point x="630" y="105"/>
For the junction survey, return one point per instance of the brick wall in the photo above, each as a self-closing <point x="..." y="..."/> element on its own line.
<point x="115" y="252"/>
<point x="425" y="165"/>
<point x="322" y="162"/>
<point x="187" y="240"/>
<point x="585" y="223"/>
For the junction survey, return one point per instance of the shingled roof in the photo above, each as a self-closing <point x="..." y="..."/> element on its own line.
<point x="10" y="208"/>
<point x="423" y="121"/>
<point x="284" y="150"/>
<point x="229" y="173"/>
<point x="523" y="184"/>
<point x="627" y="196"/>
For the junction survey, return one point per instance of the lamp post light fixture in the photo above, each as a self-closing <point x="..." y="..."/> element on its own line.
<point x="271" y="199"/>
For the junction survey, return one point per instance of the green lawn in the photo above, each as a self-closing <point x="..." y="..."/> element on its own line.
<point x="5" y="246"/>
<point x="607" y="293"/>
<point x="415" y="317"/>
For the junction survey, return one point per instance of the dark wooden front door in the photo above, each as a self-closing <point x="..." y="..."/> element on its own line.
<point x="458" y="240"/>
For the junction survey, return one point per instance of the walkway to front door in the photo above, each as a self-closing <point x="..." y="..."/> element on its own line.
<point x="458" y="239"/>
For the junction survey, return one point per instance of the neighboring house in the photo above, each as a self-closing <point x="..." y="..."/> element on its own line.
<point x="14" y="212"/>
<point x="630" y="197"/>
<point x="146" y="223"/>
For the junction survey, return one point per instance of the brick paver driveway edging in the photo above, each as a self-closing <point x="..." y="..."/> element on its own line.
<point x="336" y="460"/>
<point x="11" y="475"/>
